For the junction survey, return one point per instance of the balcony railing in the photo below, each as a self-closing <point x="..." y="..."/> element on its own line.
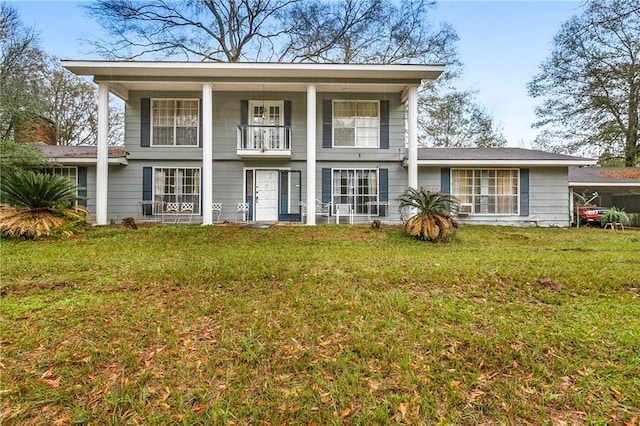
<point x="264" y="141"/>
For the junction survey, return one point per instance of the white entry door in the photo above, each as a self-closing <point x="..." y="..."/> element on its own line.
<point x="266" y="195"/>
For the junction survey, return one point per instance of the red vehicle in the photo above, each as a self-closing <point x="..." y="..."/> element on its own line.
<point x="591" y="215"/>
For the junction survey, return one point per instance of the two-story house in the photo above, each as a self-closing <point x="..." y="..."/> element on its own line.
<point x="280" y="139"/>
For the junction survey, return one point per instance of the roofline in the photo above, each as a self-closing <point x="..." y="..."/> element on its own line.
<point x="472" y="163"/>
<point x="605" y="184"/>
<point x="245" y="65"/>
<point x="252" y="69"/>
<point x="72" y="161"/>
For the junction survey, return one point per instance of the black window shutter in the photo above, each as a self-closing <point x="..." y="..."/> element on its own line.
<point x="244" y="112"/>
<point x="384" y="124"/>
<point x="326" y="184"/>
<point x="145" y="122"/>
<point x="200" y="118"/>
<point x="147" y="189"/>
<point x="82" y="185"/>
<point x="287" y="121"/>
<point x="327" y="123"/>
<point x="524" y="192"/>
<point x="445" y="181"/>
<point x="384" y="189"/>
<point x="244" y="119"/>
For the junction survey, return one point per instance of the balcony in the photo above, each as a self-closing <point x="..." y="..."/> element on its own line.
<point x="264" y="141"/>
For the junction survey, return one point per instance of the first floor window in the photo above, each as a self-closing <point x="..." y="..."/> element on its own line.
<point x="488" y="191"/>
<point x="177" y="185"/>
<point x="69" y="173"/>
<point x="174" y="122"/>
<point x="356" y="124"/>
<point x="356" y="187"/>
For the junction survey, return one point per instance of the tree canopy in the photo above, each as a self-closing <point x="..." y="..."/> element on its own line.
<point x="590" y="84"/>
<point x="347" y="31"/>
<point x="35" y="86"/>
<point x="321" y="31"/>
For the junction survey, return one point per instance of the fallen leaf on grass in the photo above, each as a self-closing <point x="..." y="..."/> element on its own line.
<point x="53" y="384"/>
<point x="199" y="407"/>
<point x="346" y="412"/>
<point x="402" y="409"/>
<point x="617" y="394"/>
<point x="566" y="383"/>
<point x="64" y="420"/>
<point x="474" y="396"/>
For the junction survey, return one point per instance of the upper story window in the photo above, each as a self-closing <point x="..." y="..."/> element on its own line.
<point x="356" y="124"/>
<point x="488" y="191"/>
<point x="174" y="122"/>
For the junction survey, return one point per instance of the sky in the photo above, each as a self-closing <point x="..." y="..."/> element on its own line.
<point x="502" y="44"/>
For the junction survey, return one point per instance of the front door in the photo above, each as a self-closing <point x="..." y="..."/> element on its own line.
<point x="266" y="195"/>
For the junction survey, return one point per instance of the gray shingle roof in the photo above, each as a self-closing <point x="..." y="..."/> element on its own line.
<point x="605" y="175"/>
<point x="489" y="154"/>
<point x="63" y="151"/>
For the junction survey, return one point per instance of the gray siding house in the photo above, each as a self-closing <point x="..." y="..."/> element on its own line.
<point x="293" y="142"/>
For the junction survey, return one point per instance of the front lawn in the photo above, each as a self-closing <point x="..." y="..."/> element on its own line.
<point x="321" y="325"/>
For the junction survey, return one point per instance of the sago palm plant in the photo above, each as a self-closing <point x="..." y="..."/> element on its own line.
<point x="432" y="218"/>
<point x="32" y="204"/>
<point x="615" y="215"/>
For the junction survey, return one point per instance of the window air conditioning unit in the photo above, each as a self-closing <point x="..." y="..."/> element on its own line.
<point x="465" y="209"/>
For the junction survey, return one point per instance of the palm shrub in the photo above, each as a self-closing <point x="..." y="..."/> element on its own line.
<point x="432" y="220"/>
<point x="33" y="204"/>
<point x="615" y="215"/>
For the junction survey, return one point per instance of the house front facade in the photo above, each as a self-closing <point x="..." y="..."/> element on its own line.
<point x="212" y="142"/>
<point x="279" y="138"/>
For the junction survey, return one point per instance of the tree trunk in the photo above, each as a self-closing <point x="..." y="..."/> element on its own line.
<point x="631" y="138"/>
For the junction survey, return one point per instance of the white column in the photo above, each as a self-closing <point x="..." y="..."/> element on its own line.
<point x="311" y="155"/>
<point x="207" y="154"/>
<point x="102" y="166"/>
<point x="412" y="154"/>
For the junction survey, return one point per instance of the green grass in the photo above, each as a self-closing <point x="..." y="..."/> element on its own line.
<point x="321" y="325"/>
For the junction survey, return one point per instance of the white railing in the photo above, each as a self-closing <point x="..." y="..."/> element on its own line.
<point x="264" y="138"/>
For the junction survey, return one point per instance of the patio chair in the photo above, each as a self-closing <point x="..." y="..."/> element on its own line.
<point x="344" y="210"/>
<point x="171" y="209"/>
<point x="323" y="209"/>
<point x="243" y="209"/>
<point x="217" y="211"/>
<point x="186" y="207"/>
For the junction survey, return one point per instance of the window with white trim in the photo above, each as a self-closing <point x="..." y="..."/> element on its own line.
<point x="356" y="187"/>
<point x="356" y="124"/>
<point x="70" y="173"/>
<point x="177" y="185"/>
<point x="488" y="191"/>
<point x="174" y="122"/>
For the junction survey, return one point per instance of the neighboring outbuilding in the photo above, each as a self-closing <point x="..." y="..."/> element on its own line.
<point x="608" y="187"/>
